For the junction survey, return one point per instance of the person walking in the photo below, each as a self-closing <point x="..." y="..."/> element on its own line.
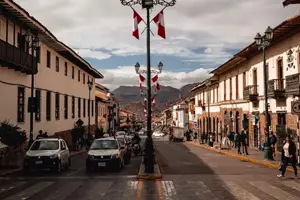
<point x="244" y="143"/>
<point x="273" y="143"/>
<point x="288" y="156"/>
<point x="238" y="141"/>
<point x="235" y="140"/>
<point x="195" y="136"/>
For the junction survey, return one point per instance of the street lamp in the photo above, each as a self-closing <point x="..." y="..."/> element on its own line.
<point x="262" y="43"/>
<point x="33" y="44"/>
<point x="148" y="4"/>
<point x="90" y="86"/>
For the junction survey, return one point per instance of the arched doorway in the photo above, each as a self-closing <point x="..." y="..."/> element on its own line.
<point x="231" y="121"/>
<point x="237" y="122"/>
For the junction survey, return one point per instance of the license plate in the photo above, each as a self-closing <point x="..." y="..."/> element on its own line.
<point x="101" y="164"/>
<point x="39" y="162"/>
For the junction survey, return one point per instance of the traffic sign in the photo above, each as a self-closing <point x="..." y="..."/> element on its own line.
<point x="295" y="107"/>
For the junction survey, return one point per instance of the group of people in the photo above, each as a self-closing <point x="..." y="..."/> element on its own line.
<point x="239" y="141"/>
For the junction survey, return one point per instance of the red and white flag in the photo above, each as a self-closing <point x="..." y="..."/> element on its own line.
<point x="157" y="86"/>
<point x="155" y="78"/>
<point x="136" y="20"/>
<point x="160" y="22"/>
<point x="153" y="101"/>
<point x="142" y="79"/>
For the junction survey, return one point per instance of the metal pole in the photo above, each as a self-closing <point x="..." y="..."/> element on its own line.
<point x="149" y="150"/>
<point x="267" y="146"/>
<point x="89" y="112"/>
<point x="298" y="136"/>
<point x="32" y="102"/>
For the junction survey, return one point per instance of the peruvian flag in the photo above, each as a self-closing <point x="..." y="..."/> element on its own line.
<point x="145" y="102"/>
<point x="155" y="78"/>
<point x="160" y="22"/>
<point x="157" y="86"/>
<point x="136" y="20"/>
<point x="153" y="101"/>
<point x="142" y="79"/>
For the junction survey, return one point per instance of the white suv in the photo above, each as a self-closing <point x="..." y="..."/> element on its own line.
<point x="105" y="152"/>
<point x="47" y="153"/>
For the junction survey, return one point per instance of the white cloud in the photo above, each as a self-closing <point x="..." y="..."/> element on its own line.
<point x="91" y="53"/>
<point x="126" y="75"/>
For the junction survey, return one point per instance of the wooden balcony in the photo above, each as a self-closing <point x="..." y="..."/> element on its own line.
<point x="293" y="85"/>
<point x="251" y="93"/>
<point x="14" y="58"/>
<point x="276" y="88"/>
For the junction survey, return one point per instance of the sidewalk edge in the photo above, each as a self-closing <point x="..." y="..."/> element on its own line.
<point x="240" y="157"/>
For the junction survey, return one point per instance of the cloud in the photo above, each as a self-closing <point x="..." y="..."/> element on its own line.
<point x="91" y="53"/>
<point x="125" y="75"/>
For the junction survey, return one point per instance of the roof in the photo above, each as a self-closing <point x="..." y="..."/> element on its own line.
<point x="282" y="31"/>
<point x="101" y="87"/>
<point x="288" y="2"/>
<point x="46" y="37"/>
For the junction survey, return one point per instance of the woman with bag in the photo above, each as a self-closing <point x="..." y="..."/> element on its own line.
<point x="288" y="156"/>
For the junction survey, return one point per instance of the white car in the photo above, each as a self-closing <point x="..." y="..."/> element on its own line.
<point x="47" y="153"/>
<point x="105" y="152"/>
<point x="158" y="134"/>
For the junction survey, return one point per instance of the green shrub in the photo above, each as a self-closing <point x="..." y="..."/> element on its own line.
<point x="12" y="135"/>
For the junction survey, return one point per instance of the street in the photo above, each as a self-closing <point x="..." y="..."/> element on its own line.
<point x="189" y="172"/>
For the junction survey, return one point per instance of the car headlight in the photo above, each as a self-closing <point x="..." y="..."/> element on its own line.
<point x="53" y="156"/>
<point x="90" y="157"/>
<point x="117" y="155"/>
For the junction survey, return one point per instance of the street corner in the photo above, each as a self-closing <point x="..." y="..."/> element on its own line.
<point x="149" y="176"/>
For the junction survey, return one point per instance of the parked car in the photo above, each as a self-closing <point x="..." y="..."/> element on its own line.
<point x="127" y="149"/>
<point x="158" y="134"/>
<point x="105" y="153"/>
<point x="47" y="153"/>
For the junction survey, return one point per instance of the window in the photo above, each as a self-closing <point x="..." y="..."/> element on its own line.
<point x="57" y="64"/>
<point x="48" y="59"/>
<point x="84" y="107"/>
<point x="66" y="107"/>
<point x="21" y="104"/>
<point x="66" y="69"/>
<point x="279" y="69"/>
<point x="73" y="107"/>
<point x="225" y="90"/>
<point x="78" y="75"/>
<point x="83" y="78"/>
<point x="244" y="79"/>
<point x="38" y="105"/>
<point x="230" y="88"/>
<point x="237" y="87"/>
<point x="57" y="105"/>
<point x="92" y="108"/>
<point x="79" y="107"/>
<point x="73" y="72"/>
<point x="48" y="106"/>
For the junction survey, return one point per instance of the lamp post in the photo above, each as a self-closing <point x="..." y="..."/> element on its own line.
<point x="149" y="150"/>
<point x="34" y="44"/>
<point x="263" y="42"/>
<point x="90" y="86"/>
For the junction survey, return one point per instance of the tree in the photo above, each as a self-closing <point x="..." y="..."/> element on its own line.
<point x="12" y="135"/>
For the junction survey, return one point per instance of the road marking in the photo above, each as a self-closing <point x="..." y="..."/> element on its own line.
<point x="273" y="191"/>
<point x="98" y="190"/>
<point x="132" y="185"/>
<point x="292" y="184"/>
<point x="35" y="189"/>
<point x="240" y="192"/>
<point x="11" y="186"/>
<point x="203" y="190"/>
<point x="160" y="190"/>
<point x="139" y="190"/>
<point x="62" y="192"/>
<point x="169" y="189"/>
<point x="70" y="177"/>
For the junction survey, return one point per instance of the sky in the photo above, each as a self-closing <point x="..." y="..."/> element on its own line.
<point x="201" y="34"/>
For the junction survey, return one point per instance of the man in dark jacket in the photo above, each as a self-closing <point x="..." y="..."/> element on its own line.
<point x="288" y="156"/>
<point x="243" y="140"/>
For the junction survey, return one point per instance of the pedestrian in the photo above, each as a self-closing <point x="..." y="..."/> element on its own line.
<point x="235" y="140"/>
<point x="288" y="156"/>
<point x="202" y="138"/>
<point x="238" y="140"/>
<point x="40" y="135"/>
<point x="244" y="143"/>
<point x="273" y="142"/>
<point x="195" y="136"/>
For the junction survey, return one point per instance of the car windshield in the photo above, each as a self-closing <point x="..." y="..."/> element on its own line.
<point x="44" y="145"/>
<point x="104" y="144"/>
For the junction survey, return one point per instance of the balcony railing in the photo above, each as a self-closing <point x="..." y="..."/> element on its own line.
<point x="15" y="58"/>
<point x="251" y="92"/>
<point x="293" y="84"/>
<point x="276" y="88"/>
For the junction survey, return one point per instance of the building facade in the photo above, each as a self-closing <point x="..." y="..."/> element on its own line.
<point x="60" y="75"/>
<point x="102" y="102"/>
<point x="180" y="114"/>
<point x="233" y="98"/>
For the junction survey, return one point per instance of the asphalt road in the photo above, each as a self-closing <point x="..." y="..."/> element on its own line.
<point x="189" y="173"/>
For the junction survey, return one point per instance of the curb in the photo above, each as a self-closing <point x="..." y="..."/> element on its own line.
<point x="20" y="169"/>
<point x="147" y="176"/>
<point x="240" y="157"/>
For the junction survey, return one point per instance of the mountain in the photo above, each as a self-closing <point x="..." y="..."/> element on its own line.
<point x="131" y="99"/>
